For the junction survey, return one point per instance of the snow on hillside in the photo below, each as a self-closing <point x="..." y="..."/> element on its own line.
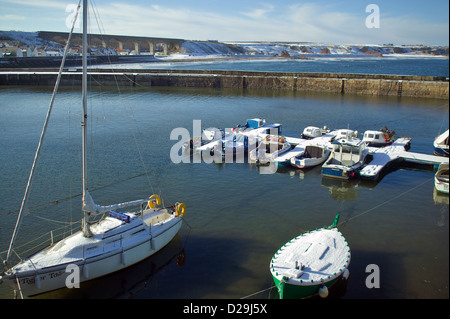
<point x="200" y="49"/>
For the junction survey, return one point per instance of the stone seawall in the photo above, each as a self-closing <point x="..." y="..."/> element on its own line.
<point x="362" y="84"/>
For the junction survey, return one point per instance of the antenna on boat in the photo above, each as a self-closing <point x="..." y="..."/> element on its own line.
<point x="23" y="206"/>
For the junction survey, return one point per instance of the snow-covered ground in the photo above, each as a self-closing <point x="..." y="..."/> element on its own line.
<point x="214" y="49"/>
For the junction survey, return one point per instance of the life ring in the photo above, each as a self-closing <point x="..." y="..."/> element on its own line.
<point x="180" y="210"/>
<point x="154" y="200"/>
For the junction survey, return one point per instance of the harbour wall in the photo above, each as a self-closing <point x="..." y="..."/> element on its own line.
<point x="361" y="84"/>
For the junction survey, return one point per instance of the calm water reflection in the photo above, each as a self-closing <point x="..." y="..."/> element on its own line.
<point x="236" y="217"/>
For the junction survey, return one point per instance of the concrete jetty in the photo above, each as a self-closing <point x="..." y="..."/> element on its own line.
<point x="385" y="157"/>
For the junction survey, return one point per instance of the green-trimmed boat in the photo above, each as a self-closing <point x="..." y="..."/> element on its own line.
<point x="311" y="263"/>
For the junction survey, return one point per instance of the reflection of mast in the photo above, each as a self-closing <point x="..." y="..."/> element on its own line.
<point x="342" y="190"/>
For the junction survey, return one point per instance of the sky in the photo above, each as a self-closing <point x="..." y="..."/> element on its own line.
<point x="320" y="21"/>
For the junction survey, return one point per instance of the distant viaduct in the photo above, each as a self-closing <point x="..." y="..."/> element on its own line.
<point x="117" y="42"/>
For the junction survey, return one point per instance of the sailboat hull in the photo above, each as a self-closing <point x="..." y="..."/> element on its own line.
<point x="39" y="281"/>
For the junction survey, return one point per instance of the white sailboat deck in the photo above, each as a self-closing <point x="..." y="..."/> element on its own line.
<point x="313" y="257"/>
<point x="109" y="235"/>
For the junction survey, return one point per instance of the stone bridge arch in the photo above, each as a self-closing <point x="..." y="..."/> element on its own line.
<point x="118" y="42"/>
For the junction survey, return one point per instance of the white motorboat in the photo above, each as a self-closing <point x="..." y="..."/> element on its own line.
<point x="383" y="137"/>
<point x="440" y="144"/>
<point x="313" y="155"/>
<point x="115" y="240"/>
<point x="268" y="148"/>
<point x="347" y="158"/>
<point x="209" y="135"/>
<point x="441" y="179"/>
<point x="239" y="139"/>
<point x="311" y="132"/>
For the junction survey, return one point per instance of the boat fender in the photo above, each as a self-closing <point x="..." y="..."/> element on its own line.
<point x="181" y="209"/>
<point x="154" y="200"/>
<point x="323" y="291"/>
<point x="346" y="274"/>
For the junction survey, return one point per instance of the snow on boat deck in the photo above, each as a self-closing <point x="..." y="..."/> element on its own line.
<point x="316" y="256"/>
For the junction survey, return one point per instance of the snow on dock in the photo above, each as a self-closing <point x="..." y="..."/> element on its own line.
<point x="417" y="158"/>
<point x="383" y="157"/>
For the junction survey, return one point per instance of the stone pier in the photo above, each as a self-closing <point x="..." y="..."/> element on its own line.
<point x="361" y="84"/>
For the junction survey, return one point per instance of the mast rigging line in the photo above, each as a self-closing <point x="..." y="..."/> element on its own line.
<point x="41" y="139"/>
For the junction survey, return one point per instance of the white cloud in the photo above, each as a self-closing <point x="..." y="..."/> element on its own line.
<point x="12" y="17"/>
<point x="41" y="3"/>
<point x="259" y="13"/>
<point x="304" y="21"/>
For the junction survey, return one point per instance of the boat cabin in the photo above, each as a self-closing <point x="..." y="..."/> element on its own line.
<point x="311" y="132"/>
<point x="345" y="134"/>
<point x="348" y="153"/>
<point x="378" y="138"/>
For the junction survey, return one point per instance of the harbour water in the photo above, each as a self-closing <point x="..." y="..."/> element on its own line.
<point x="433" y="66"/>
<point x="236" y="217"/>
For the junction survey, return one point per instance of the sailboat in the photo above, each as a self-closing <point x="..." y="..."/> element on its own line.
<point x="118" y="239"/>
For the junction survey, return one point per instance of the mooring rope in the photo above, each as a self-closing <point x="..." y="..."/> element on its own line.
<point x="354" y="217"/>
<point x="385" y="202"/>
<point x="258" y="292"/>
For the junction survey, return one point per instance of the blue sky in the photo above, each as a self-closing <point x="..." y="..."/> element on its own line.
<point x="332" y="21"/>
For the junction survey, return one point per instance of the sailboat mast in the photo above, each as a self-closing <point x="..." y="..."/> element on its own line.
<point x="24" y="204"/>
<point x="86" y="231"/>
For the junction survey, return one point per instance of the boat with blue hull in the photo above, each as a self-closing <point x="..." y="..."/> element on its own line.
<point x="347" y="158"/>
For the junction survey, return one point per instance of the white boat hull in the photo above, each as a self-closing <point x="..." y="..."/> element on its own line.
<point x="441" y="179"/>
<point x="34" y="282"/>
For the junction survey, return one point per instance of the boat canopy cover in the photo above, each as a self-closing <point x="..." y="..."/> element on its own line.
<point x="314" y="151"/>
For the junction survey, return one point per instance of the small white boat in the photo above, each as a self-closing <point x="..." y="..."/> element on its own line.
<point x="311" y="264"/>
<point x="240" y="138"/>
<point x="347" y="158"/>
<point x="238" y="145"/>
<point x="383" y="137"/>
<point x="313" y="155"/>
<point x="440" y="144"/>
<point x="209" y="135"/>
<point x="345" y="134"/>
<point x="441" y="178"/>
<point x="268" y="148"/>
<point x="311" y="132"/>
